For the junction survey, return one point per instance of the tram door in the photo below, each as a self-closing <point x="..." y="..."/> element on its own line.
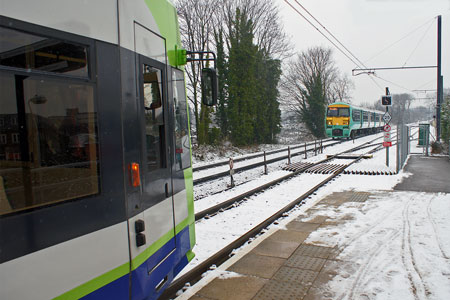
<point x="155" y="172"/>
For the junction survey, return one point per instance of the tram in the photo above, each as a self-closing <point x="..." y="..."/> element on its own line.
<point x="96" y="191"/>
<point x="344" y="120"/>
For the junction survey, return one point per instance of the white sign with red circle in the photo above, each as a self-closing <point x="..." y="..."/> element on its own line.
<point x="387" y="128"/>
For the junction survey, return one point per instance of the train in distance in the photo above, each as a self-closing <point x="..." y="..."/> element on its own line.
<point x="96" y="190"/>
<point x="344" y="120"/>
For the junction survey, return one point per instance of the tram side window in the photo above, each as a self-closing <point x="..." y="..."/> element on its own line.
<point x="365" y="116"/>
<point x="154" y="118"/>
<point x="51" y="150"/>
<point x="182" y="149"/>
<point x="356" y="115"/>
<point x="32" y="52"/>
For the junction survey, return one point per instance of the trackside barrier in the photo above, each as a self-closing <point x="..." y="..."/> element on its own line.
<point x="403" y="147"/>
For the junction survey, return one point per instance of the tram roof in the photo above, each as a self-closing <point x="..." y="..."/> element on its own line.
<point x="357" y="107"/>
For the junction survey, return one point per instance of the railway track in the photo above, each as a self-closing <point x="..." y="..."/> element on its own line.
<point x="220" y="256"/>
<point x="239" y="172"/>
<point x="259" y="163"/>
<point x="260" y="154"/>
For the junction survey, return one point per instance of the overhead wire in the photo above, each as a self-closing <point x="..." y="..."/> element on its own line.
<point x="401" y="39"/>
<point x="360" y="63"/>
<point x="397" y="85"/>
<point x="418" y="44"/>
<point x="346" y="55"/>
<point x="335" y="38"/>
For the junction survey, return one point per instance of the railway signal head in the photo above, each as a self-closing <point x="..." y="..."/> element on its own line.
<point x="386" y="100"/>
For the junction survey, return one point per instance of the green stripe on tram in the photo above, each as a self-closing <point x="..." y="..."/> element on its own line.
<point x="116" y="273"/>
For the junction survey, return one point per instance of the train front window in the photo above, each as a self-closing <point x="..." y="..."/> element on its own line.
<point x="338" y="112"/>
<point x="182" y="149"/>
<point x="49" y="150"/>
<point x="34" y="52"/>
<point x="154" y="118"/>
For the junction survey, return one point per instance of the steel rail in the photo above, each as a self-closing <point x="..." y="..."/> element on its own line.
<point x="259" y="154"/>
<point x="222" y="255"/>
<point x="255" y="165"/>
<point x="310" y="166"/>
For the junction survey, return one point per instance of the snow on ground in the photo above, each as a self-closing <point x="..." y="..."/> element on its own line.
<point x="396" y="246"/>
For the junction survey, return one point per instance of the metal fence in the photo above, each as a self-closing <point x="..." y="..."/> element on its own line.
<point x="403" y="147"/>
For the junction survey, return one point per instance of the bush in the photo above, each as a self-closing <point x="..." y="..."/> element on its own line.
<point x="436" y="147"/>
<point x="214" y="136"/>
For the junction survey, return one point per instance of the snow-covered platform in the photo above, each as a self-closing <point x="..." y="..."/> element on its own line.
<point x="351" y="244"/>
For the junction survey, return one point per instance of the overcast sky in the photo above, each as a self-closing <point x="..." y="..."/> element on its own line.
<point x="366" y="27"/>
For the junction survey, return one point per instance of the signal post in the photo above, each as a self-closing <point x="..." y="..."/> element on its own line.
<point x="387" y="142"/>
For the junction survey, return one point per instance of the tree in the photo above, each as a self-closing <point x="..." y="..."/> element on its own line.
<point x="266" y="26"/>
<point x="268" y="114"/>
<point x="445" y="118"/>
<point x="241" y="81"/>
<point x="307" y="85"/>
<point x="400" y="109"/>
<point x="196" y="27"/>
<point x="249" y="33"/>
<point x="222" y="70"/>
<point x="340" y="89"/>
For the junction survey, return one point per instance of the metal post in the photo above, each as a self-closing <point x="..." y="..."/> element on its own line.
<point x="306" y="156"/>
<point x="289" y="155"/>
<point x="439" y="82"/>
<point x="397" y="167"/>
<point x="387" y="148"/>
<point x="315" y="148"/>
<point x="265" y="163"/>
<point x="231" y="172"/>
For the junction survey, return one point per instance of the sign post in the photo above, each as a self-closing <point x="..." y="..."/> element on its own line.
<point x="387" y="142"/>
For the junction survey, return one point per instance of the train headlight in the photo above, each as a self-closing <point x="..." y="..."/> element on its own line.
<point x="329" y="122"/>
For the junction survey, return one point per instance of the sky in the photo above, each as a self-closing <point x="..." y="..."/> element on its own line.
<point x="380" y="33"/>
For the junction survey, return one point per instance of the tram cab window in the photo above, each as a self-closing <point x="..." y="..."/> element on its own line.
<point x="356" y="115"/>
<point x="182" y="143"/>
<point x="338" y="112"/>
<point x="49" y="150"/>
<point x="154" y="118"/>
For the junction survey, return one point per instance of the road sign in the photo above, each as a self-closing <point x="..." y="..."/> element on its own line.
<point x="231" y="164"/>
<point x="387" y="144"/>
<point x="387" y="128"/>
<point x="387" y="117"/>
<point x="387" y="136"/>
<point x="386" y="100"/>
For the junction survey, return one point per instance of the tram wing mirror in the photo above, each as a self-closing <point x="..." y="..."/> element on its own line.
<point x="209" y="86"/>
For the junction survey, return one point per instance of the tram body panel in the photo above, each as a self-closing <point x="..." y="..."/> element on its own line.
<point x="93" y="19"/>
<point x="79" y="247"/>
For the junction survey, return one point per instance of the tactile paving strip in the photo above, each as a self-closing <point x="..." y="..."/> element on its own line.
<point x="287" y="274"/>
<point x="276" y="290"/>
<point x="305" y="262"/>
<point x="313" y="250"/>
<point x="359" y="197"/>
